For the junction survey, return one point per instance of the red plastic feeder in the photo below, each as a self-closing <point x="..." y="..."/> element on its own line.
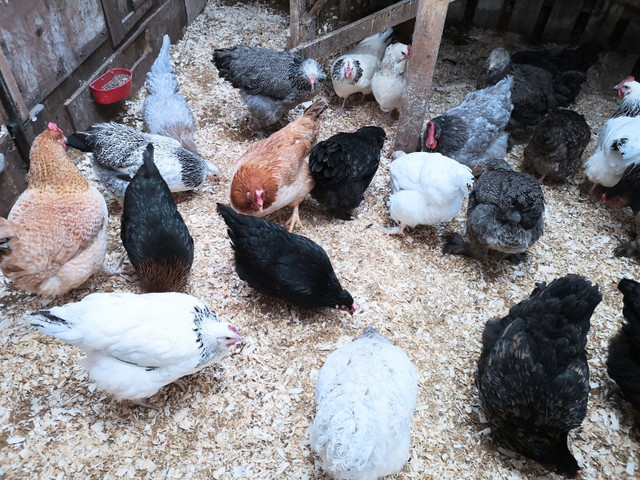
<point x="113" y="86"/>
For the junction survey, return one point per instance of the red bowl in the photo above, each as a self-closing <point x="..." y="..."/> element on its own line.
<point x="115" y="92"/>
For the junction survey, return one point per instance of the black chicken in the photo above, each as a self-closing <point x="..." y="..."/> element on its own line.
<point x="153" y="232"/>
<point x="623" y="362"/>
<point x="627" y="193"/>
<point x="282" y="264"/>
<point x="343" y="167"/>
<point x="533" y="377"/>
<point x="555" y="150"/>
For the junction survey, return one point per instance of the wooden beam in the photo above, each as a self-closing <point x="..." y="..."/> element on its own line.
<point x="524" y="16"/>
<point x="424" y="49"/>
<point x="356" y="31"/>
<point x="5" y="70"/>
<point x="296" y="12"/>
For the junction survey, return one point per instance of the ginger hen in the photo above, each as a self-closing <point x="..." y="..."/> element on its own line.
<point x="275" y="172"/>
<point x="55" y="236"/>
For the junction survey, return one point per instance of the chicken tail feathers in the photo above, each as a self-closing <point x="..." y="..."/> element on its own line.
<point x="161" y="80"/>
<point x="49" y="324"/>
<point x="453" y="243"/>
<point x="80" y="141"/>
<point x="316" y="109"/>
<point x="631" y="291"/>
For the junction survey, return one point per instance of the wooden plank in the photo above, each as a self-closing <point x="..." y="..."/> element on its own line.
<point x="417" y="91"/>
<point x="122" y="15"/>
<point x="345" y="10"/>
<point x="296" y="12"/>
<point x="562" y="19"/>
<point x="603" y="20"/>
<point x="14" y="91"/>
<point x="487" y="13"/>
<point x="13" y="178"/>
<point x="524" y="16"/>
<point x="629" y="40"/>
<point x="455" y="13"/>
<point x="194" y="8"/>
<point x="356" y="31"/>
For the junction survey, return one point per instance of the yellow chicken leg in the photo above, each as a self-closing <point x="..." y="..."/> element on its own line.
<point x="295" y="219"/>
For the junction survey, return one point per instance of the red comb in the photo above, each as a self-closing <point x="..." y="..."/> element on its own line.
<point x="53" y="126"/>
<point x="234" y="329"/>
<point x="630" y="78"/>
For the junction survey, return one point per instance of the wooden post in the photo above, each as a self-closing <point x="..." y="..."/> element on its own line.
<point x="424" y="54"/>
<point x="296" y="11"/>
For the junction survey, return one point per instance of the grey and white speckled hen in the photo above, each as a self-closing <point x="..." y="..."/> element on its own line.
<point x="271" y="83"/>
<point x="627" y="193"/>
<point x="505" y="213"/>
<point x="474" y="130"/>
<point x="118" y="154"/>
<point x="533" y="377"/>
<point x="555" y="150"/>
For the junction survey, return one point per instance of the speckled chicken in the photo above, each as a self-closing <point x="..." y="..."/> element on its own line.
<point x="629" y="92"/>
<point x="153" y="232"/>
<point x="555" y="150"/>
<point x="623" y="362"/>
<point x="505" y="213"/>
<point x="271" y="83"/>
<point x="343" y="166"/>
<point x="387" y="84"/>
<point x="365" y="397"/>
<point x="533" y="377"/>
<point x="164" y="110"/>
<point x="474" y="130"/>
<point x="283" y="265"/>
<point x="55" y="236"/>
<point x="627" y="193"/>
<point x="137" y="343"/>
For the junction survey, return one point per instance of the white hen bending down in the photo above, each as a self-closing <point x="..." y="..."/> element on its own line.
<point x="618" y="147"/>
<point x="428" y="188"/>
<point x="365" y="396"/>
<point x="136" y="344"/>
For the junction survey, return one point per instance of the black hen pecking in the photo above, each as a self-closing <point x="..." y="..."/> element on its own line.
<point x="153" y="232"/>
<point x="533" y="377"/>
<point x="623" y="363"/>
<point x="283" y="265"/>
<point x="627" y="193"/>
<point x="343" y="167"/>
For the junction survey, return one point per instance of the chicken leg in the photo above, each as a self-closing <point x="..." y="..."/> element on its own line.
<point x="293" y="220"/>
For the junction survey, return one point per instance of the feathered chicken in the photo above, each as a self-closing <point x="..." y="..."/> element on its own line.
<point x="618" y="147"/>
<point x="623" y="362"/>
<point x="629" y="92"/>
<point x="427" y="189"/>
<point x="353" y="71"/>
<point x="283" y="265"/>
<point x="555" y="150"/>
<point x="55" y="236"/>
<point x="505" y="213"/>
<point x="164" y="110"/>
<point x="627" y="193"/>
<point x="271" y="83"/>
<point x="533" y="377"/>
<point x="343" y="166"/>
<point x="274" y="172"/>
<point x="474" y="130"/>
<point x="153" y="232"/>
<point x="387" y="84"/>
<point x="365" y="397"/>
<point x="136" y="344"/>
<point x="118" y="151"/>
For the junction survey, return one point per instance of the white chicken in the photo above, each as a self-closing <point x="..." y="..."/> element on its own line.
<point x="388" y="82"/>
<point x="365" y="396"/>
<point x="629" y="92"/>
<point x="428" y="188"/>
<point x="136" y="344"/>
<point x="618" y="147"/>
<point x="353" y="71"/>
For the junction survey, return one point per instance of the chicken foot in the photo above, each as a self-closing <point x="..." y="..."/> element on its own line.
<point x="294" y="219"/>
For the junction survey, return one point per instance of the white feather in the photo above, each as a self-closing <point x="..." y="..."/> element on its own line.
<point x="388" y="82"/>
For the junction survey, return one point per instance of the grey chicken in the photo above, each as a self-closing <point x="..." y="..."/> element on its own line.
<point x="555" y="150"/>
<point x="533" y="377"/>
<point x="271" y="83"/>
<point x="627" y="193"/>
<point x="505" y="213"/>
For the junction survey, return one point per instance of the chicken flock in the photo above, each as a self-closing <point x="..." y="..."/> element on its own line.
<point x="532" y="374"/>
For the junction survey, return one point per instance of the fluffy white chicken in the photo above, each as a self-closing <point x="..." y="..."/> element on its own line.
<point x="365" y="396"/>
<point x="629" y="92"/>
<point x="136" y="344"/>
<point x="428" y="188"/>
<point x="618" y="147"/>
<point x="388" y="82"/>
<point x="353" y="71"/>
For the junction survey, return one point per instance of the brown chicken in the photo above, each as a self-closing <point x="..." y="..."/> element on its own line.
<point x="275" y="172"/>
<point x="55" y="236"/>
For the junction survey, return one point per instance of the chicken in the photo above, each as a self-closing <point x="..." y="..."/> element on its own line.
<point x="271" y="83"/>
<point x="136" y="344"/>
<point x="55" y="236"/>
<point x="618" y="147"/>
<point x="474" y="130"/>
<point x="283" y="265"/>
<point x="623" y="362"/>
<point x="365" y="397"/>
<point x="274" y="172"/>
<point x="555" y="150"/>
<point x="153" y="232"/>
<point x="427" y="189"/>
<point x="533" y="377"/>
<point x="164" y="110"/>
<point x="118" y="154"/>
<point x="627" y="193"/>
<point x="629" y="92"/>
<point x="353" y="71"/>
<point x="505" y="213"/>
<point x="387" y="84"/>
<point x="343" y="166"/>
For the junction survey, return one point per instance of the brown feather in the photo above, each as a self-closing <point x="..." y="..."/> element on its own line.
<point x="166" y="275"/>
